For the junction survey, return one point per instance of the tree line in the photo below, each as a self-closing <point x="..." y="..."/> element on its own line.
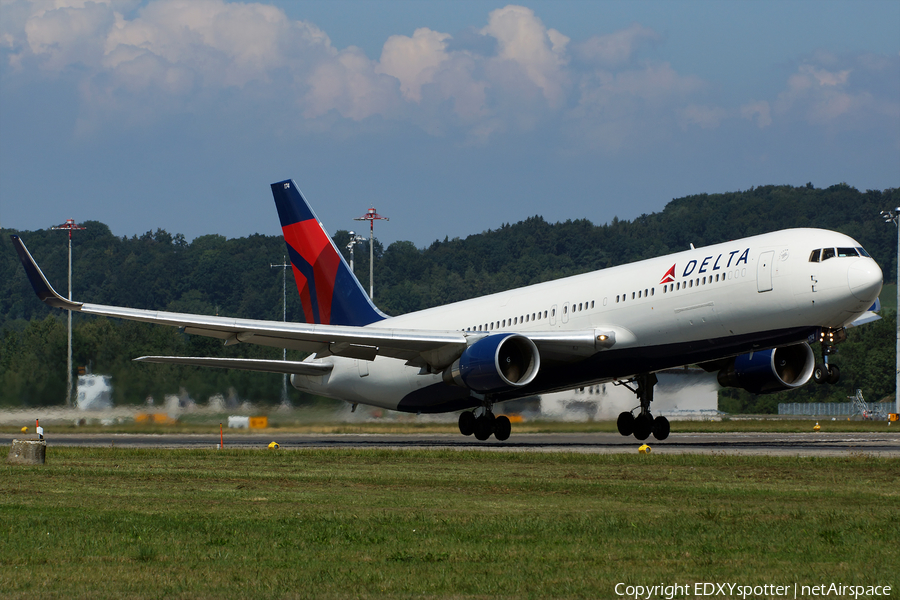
<point x="234" y="277"/>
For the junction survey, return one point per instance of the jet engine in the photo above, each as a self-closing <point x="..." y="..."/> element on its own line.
<point x="770" y="370"/>
<point x="495" y="363"/>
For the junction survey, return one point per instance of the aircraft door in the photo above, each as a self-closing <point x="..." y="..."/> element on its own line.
<point x="553" y="315"/>
<point x="565" y="313"/>
<point x="764" y="271"/>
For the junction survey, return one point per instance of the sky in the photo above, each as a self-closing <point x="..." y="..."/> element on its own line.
<point x="450" y="118"/>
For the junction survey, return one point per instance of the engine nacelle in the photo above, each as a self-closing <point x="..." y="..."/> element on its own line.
<point x="770" y="370"/>
<point x="497" y="362"/>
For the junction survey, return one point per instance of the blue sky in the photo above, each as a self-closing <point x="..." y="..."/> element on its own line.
<point x="449" y="117"/>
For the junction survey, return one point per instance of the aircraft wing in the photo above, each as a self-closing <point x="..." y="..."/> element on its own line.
<point x="434" y="349"/>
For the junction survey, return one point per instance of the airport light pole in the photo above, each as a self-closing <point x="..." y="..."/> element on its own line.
<point x="893" y="216"/>
<point x="371" y="216"/>
<point x="284" y="266"/>
<point x="69" y="226"/>
<point x="354" y="240"/>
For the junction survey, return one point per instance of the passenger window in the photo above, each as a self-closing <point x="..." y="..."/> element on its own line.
<point x="827" y="253"/>
<point x="814" y="257"/>
<point x="845" y="252"/>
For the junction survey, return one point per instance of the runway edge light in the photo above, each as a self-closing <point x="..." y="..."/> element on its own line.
<point x="645" y="449"/>
<point x="273" y="445"/>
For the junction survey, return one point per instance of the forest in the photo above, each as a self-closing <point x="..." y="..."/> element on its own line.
<point x="235" y="277"/>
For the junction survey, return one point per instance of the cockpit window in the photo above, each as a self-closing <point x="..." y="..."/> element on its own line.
<point x="863" y="252"/>
<point x="827" y="253"/>
<point x="845" y="252"/>
<point x="814" y="257"/>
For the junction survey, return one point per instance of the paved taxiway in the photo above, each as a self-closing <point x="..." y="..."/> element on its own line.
<point x="781" y="444"/>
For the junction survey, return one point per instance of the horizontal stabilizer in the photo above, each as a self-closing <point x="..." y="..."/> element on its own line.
<point x="869" y="316"/>
<point x="289" y="367"/>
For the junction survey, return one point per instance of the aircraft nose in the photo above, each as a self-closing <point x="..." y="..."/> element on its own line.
<point x="865" y="279"/>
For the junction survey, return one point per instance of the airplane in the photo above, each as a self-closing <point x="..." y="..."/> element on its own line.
<point x="747" y="309"/>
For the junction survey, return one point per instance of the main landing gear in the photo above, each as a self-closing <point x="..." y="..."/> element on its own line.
<point x="485" y="425"/>
<point x="644" y="424"/>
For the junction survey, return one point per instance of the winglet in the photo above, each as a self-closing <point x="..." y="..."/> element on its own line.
<point x="41" y="286"/>
<point x="329" y="291"/>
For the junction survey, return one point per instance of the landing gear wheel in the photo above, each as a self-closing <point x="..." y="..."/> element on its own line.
<point x="660" y="428"/>
<point x="643" y="425"/>
<point x="834" y="374"/>
<point x="466" y="423"/>
<point x="502" y="428"/>
<point x="484" y="426"/>
<point x="625" y="423"/>
<point x="820" y="373"/>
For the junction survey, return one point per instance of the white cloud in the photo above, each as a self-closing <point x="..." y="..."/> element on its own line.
<point x="414" y="60"/>
<point x="349" y="84"/>
<point x="175" y="55"/>
<point x="705" y="117"/>
<point x="68" y="35"/>
<point x="758" y="110"/>
<point x="615" y="48"/>
<point x="140" y="61"/>
<point x="538" y="51"/>
<point x="851" y="92"/>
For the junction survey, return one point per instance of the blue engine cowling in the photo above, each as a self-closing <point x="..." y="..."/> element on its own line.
<point x="497" y="362"/>
<point x="770" y="370"/>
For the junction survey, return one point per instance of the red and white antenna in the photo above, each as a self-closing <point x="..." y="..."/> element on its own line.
<point x="69" y="226"/>
<point x="371" y="216"/>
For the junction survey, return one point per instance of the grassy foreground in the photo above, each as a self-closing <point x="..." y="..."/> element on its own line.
<point x="117" y="523"/>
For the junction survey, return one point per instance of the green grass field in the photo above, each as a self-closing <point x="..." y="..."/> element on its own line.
<point x="114" y="523"/>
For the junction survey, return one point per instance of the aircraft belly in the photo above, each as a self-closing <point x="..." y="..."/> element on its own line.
<point x="620" y="364"/>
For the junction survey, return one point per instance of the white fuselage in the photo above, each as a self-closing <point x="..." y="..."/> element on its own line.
<point x="755" y="291"/>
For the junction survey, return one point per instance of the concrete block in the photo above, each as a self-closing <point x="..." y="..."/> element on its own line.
<point x="27" y="452"/>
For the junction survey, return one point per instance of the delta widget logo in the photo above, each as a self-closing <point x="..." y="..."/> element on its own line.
<point x="669" y="276"/>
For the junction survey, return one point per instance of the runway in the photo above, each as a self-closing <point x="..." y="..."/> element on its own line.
<point x="774" y="444"/>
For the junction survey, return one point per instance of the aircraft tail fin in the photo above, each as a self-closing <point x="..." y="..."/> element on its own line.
<point x="329" y="291"/>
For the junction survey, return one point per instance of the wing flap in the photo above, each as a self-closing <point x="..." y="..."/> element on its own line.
<point x="247" y="364"/>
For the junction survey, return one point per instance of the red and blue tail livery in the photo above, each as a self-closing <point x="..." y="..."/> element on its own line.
<point x="329" y="292"/>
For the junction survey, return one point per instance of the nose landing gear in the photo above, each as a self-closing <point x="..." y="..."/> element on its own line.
<point x="825" y="372"/>
<point x="644" y="424"/>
